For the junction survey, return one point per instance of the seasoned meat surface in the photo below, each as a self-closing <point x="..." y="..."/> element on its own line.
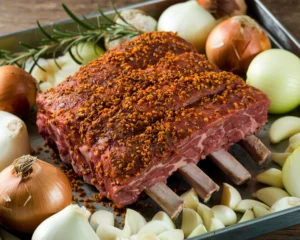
<point x="135" y="115"/>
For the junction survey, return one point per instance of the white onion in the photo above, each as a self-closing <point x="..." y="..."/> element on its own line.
<point x="276" y="72"/>
<point x="69" y="224"/>
<point x="192" y="22"/>
<point x="14" y="140"/>
<point x="291" y="173"/>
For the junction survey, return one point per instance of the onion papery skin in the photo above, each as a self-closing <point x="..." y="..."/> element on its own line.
<point x="18" y="91"/>
<point x="224" y="8"/>
<point x="24" y="204"/>
<point x="234" y="43"/>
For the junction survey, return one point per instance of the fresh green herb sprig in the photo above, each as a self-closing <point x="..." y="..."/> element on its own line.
<point x="63" y="40"/>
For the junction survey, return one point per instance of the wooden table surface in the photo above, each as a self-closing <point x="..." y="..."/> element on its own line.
<point x="16" y="15"/>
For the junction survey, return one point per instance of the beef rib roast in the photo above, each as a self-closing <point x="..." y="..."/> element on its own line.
<point x="135" y="115"/>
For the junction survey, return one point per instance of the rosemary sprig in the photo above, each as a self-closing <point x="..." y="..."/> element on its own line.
<point x="63" y="40"/>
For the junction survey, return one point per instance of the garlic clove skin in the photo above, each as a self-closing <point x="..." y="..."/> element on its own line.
<point x="283" y="128"/>
<point x="285" y="203"/>
<point x="260" y="211"/>
<point x="108" y="232"/>
<point x="102" y="217"/>
<point x="198" y="231"/>
<point x="248" y="204"/>
<point x="248" y="215"/>
<point x="133" y="223"/>
<point x="215" y="224"/>
<point x="156" y="227"/>
<point x="175" y="234"/>
<point x="280" y="158"/>
<point x="190" y="220"/>
<point x="162" y="216"/>
<point x="70" y="223"/>
<point x="14" y="139"/>
<point x="270" y="195"/>
<point x="230" y="196"/>
<point x="205" y="213"/>
<point x="190" y="199"/>
<point x="272" y="177"/>
<point x="225" y="214"/>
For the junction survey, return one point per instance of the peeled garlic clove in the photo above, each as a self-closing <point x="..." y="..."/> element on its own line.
<point x="133" y="223"/>
<point x="108" y="232"/>
<point x="294" y="141"/>
<point x="190" y="220"/>
<point x="156" y="227"/>
<point x="285" y="203"/>
<point x="162" y="216"/>
<point x="205" y="213"/>
<point x="289" y="149"/>
<point x="248" y="204"/>
<point x="260" y="211"/>
<point x="280" y="158"/>
<point x="271" y="177"/>
<point x="102" y="217"/>
<point x="225" y="214"/>
<point x="230" y="196"/>
<point x="248" y="215"/>
<point x="175" y="234"/>
<point x="190" y="199"/>
<point x="283" y="128"/>
<point x="215" y="224"/>
<point x="270" y="195"/>
<point x="198" y="231"/>
<point x="146" y="236"/>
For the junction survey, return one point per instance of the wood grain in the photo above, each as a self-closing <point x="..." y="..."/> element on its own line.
<point x="16" y="15"/>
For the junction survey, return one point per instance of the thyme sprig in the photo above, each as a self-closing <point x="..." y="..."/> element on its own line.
<point x="61" y="40"/>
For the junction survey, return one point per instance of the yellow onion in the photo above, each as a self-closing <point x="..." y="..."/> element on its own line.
<point x="221" y="8"/>
<point x="17" y="90"/>
<point x="31" y="191"/>
<point x="234" y="43"/>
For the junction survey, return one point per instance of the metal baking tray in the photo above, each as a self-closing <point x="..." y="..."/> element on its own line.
<point x="280" y="38"/>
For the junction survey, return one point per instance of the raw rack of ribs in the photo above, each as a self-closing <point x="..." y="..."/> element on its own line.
<point x="152" y="106"/>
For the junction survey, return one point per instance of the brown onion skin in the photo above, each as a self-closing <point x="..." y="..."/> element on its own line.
<point x="241" y="44"/>
<point x="224" y="8"/>
<point x="50" y="192"/>
<point x="18" y="91"/>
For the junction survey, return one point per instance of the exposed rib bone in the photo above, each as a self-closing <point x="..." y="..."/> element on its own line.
<point x="203" y="184"/>
<point x="169" y="201"/>
<point x="255" y="148"/>
<point x="229" y="165"/>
